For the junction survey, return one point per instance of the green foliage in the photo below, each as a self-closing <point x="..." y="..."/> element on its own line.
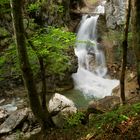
<point x="111" y="119"/>
<point x="9" y="64"/>
<point x="51" y="44"/>
<point x="18" y="135"/>
<point x="53" y="8"/>
<point x="2" y="62"/>
<point x="4" y="6"/>
<point x="74" y="120"/>
<point x="132" y="110"/>
<point x="2" y="2"/>
<point x="33" y="7"/>
<point x="3" y="32"/>
<point x="130" y="37"/>
<point x="60" y="9"/>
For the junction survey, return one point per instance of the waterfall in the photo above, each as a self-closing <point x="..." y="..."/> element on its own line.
<point x="92" y="70"/>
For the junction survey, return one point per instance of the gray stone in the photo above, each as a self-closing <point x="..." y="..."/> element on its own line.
<point x="64" y="106"/>
<point x="13" y="120"/>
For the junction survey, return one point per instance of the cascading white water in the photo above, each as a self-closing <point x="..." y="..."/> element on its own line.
<point x="91" y="61"/>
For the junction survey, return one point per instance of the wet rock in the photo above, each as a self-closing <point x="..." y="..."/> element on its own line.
<point x="106" y="104"/>
<point x="9" y="107"/>
<point x="64" y="108"/>
<point x="14" y="120"/>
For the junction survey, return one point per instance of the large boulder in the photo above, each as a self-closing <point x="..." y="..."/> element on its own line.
<point x="64" y="108"/>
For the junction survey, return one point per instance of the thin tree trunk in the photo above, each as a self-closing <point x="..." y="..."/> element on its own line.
<point x="136" y="34"/>
<point x="43" y="117"/>
<point x="44" y="87"/>
<point x="43" y="75"/>
<point x="124" y="61"/>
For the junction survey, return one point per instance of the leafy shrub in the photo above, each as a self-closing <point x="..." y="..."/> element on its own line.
<point x="33" y="7"/>
<point x="75" y="120"/>
<point x="52" y="44"/>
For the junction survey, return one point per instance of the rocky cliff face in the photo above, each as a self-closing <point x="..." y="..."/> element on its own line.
<point x="115" y="13"/>
<point x="110" y="30"/>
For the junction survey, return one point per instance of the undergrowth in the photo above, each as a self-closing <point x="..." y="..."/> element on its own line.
<point x="122" y="123"/>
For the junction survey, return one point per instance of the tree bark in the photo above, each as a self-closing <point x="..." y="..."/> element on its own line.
<point x="27" y="74"/>
<point x="136" y="34"/>
<point x="124" y="60"/>
<point x="43" y="79"/>
<point x="42" y="73"/>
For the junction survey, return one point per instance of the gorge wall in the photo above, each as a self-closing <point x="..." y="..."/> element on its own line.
<point x="115" y="13"/>
<point x="110" y="28"/>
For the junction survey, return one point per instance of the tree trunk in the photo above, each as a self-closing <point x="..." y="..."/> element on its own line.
<point x="42" y="73"/>
<point x="136" y="34"/>
<point x="43" y="117"/>
<point x="43" y="79"/>
<point x="124" y="60"/>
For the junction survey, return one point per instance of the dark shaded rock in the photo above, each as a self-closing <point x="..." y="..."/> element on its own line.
<point x="14" y="120"/>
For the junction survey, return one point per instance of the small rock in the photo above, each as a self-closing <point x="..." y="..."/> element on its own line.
<point x="89" y="137"/>
<point x="25" y="127"/>
<point x="1" y="101"/>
